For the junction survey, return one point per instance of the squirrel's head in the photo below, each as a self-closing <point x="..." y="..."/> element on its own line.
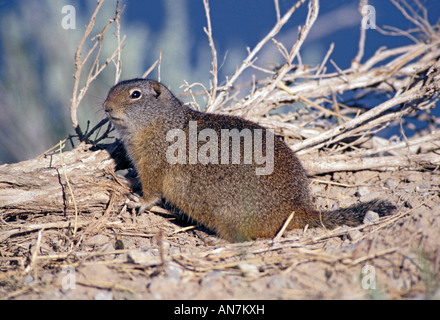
<point x="137" y="103"/>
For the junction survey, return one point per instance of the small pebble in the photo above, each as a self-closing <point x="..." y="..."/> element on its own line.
<point x="363" y="191"/>
<point x="97" y="240"/>
<point x="103" y="295"/>
<point x="173" y="272"/>
<point x="248" y="270"/>
<point x="371" y="217"/>
<point x="391" y="183"/>
<point x="143" y="258"/>
<point x="354" y="235"/>
<point x="28" y="279"/>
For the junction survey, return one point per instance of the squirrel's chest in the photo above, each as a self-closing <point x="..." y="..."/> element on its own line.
<point x="147" y="149"/>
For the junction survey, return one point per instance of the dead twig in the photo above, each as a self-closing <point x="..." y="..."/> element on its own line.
<point x="96" y="68"/>
<point x="75" y="225"/>
<point x="214" y="71"/>
<point x="284" y="227"/>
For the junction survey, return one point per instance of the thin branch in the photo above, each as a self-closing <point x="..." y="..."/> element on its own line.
<point x="63" y="166"/>
<point x="277" y="10"/>
<point x="324" y="61"/>
<point x="214" y="71"/>
<point x="159" y="65"/>
<point x="146" y="73"/>
<point x="96" y="68"/>
<point x="340" y="132"/>
<point x="361" y="46"/>
<point x="118" y="63"/>
<point x="304" y="31"/>
<point x="251" y="56"/>
<point x="78" y="69"/>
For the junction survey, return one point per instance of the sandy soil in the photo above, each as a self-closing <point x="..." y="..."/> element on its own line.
<point x="122" y="255"/>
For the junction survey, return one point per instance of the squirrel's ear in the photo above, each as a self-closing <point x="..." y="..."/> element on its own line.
<point x="157" y="89"/>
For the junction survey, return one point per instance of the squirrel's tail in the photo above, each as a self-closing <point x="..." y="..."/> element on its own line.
<point x="354" y="215"/>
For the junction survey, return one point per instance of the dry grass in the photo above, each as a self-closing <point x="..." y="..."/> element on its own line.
<point x="152" y="246"/>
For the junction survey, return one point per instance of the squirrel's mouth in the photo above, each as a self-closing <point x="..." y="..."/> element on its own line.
<point x="113" y="118"/>
<point x="116" y="121"/>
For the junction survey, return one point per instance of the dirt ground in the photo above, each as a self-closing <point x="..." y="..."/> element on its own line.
<point x="122" y="255"/>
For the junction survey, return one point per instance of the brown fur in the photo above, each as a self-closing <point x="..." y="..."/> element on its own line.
<point x="231" y="199"/>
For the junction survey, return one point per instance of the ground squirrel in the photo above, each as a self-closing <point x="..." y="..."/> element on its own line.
<point x="227" y="173"/>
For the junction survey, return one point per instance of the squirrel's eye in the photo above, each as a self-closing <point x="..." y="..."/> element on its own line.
<point x="135" y="94"/>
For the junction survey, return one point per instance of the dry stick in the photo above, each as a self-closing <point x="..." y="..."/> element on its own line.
<point x="337" y="109"/>
<point x="337" y="132"/>
<point x="381" y="55"/>
<point x="95" y="70"/>
<point x="195" y="268"/>
<point x="324" y="61"/>
<point x="150" y="69"/>
<point x="284" y="227"/>
<point x="338" y="184"/>
<point x="104" y="285"/>
<point x="32" y="228"/>
<point x="423" y="24"/>
<point x="118" y="63"/>
<point x="281" y="49"/>
<point x="309" y="255"/>
<point x="98" y="126"/>
<point x="424" y="19"/>
<point x="70" y="190"/>
<point x="35" y="250"/>
<point x="183" y="229"/>
<point x="341" y="74"/>
<point x="159" y="65"/>
<point x="96" y="224"/>
<point x="78" y="68"/>
<point x="340" y="163"/>
<point x="272" y="33"/>
<point x="365" y="77"/>
<point x="159" y="240"/>
<point x="294" y="52"/>
<point x="317" y="256"/>
<point x="277" y="10"/>
<point x="385" y="76"/>
<point x="214" y="71"/>
<point x="282" y="86"/>
<point x="188" y="88"/>
<point x="53" y="148"/>
<point x="361" y="47"/>
<point x="398" y="32"/>
<point x="84" y="255"/>
<point x="369" y="256"/>
<point x="430" y="142"/>
<point x="374" y="123"/>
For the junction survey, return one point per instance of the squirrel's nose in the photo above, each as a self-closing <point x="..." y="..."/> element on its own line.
<point x="108" y="106"/>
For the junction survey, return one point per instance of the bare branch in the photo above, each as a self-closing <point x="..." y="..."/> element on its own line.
<point x="79" y="64"/>
<point x="214" y="71"/>
<point x="146" y="73"/>
<point x="96" y="68"/>
<point x="277" y="10"/>
<point x="260" y="95"/>
<point x="363" y="35"/>
<point x="118" y="63"/>
<point x="248" y="61"/>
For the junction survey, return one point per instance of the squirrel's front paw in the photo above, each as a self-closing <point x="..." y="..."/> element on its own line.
<point x="135" y="202"/>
